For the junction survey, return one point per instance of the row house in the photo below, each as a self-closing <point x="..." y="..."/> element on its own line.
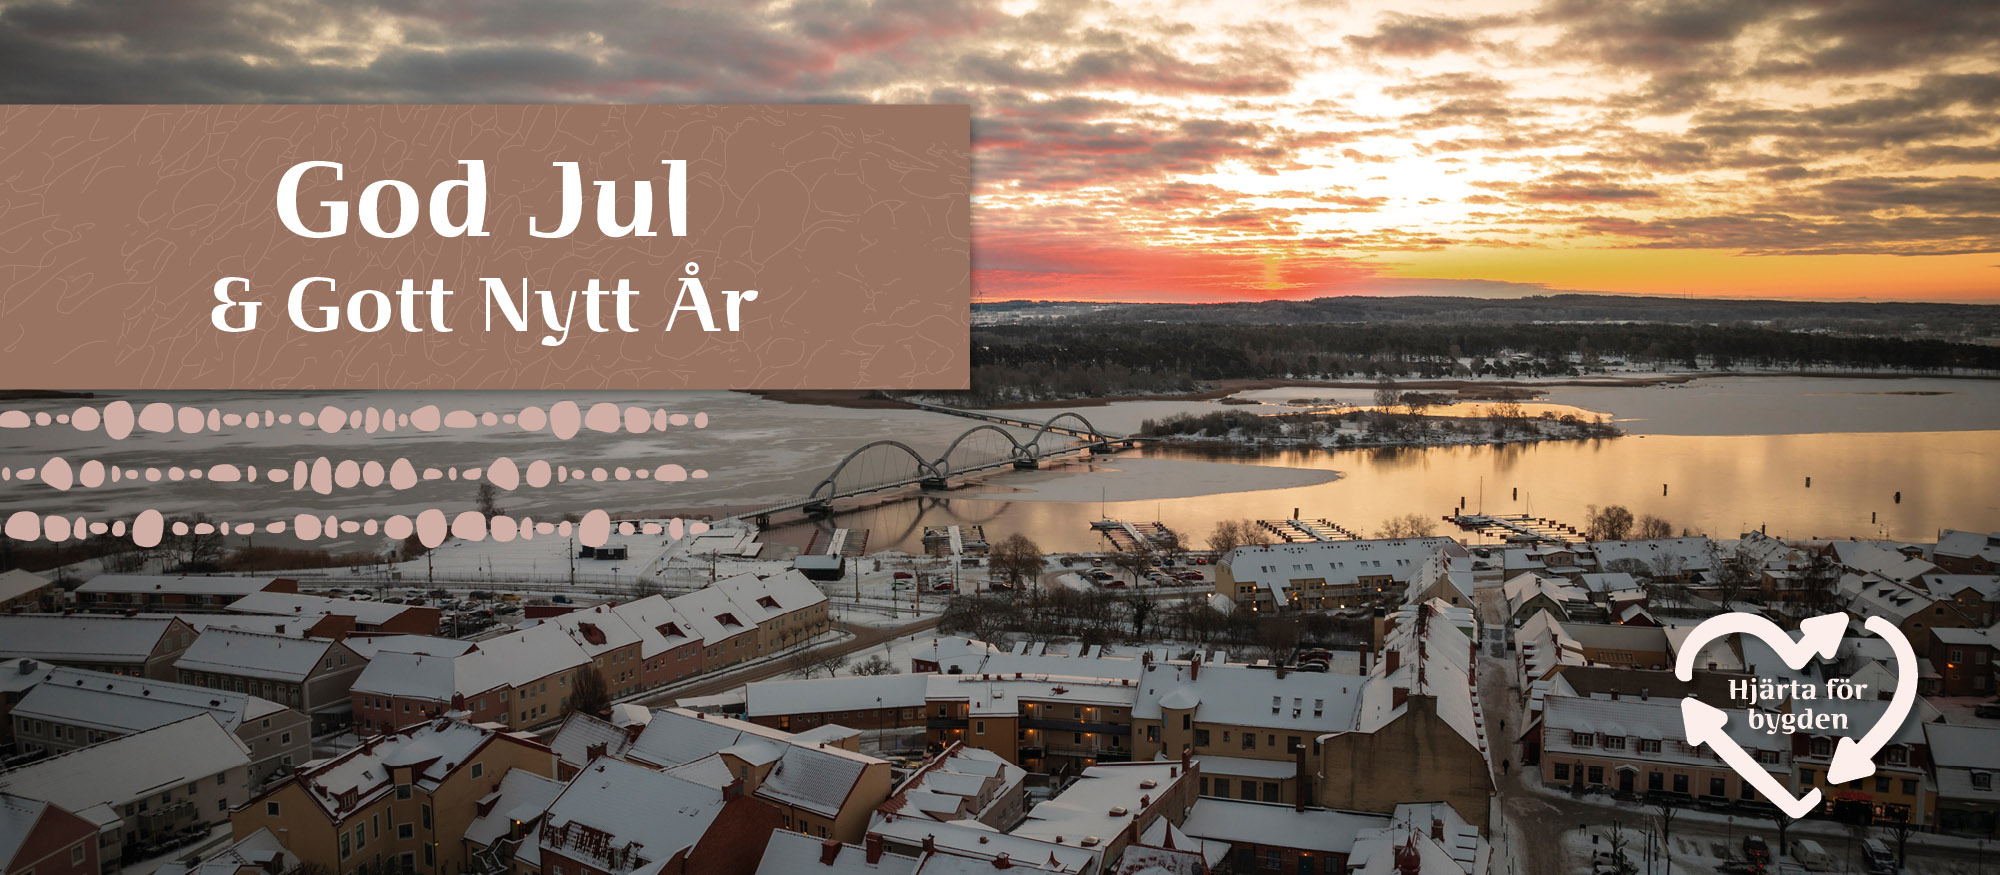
<point x="519" y="680"/>
<point x="137" y="646"/>
<point x="1639" y="746"/>
<point x="401" y="802"/>
<point x="1040" y="722"/>
<point x="157" y="593"/>
<point x="24" y="592"/>
<point x="1967" y="552"/>
<point x="69" y="708"/>
<point x="168" y="782"/>
<point x="1898" y="791"/>
<point x="1962" y="768"/>
<point x="310" y="675"/>
<point x="338" y="618"/>
<point x="1327" y="575"/>
<point x="1962" y="661"/>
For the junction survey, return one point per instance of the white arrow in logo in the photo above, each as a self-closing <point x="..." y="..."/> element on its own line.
<point x="1856" y="759"/>
<point x="1819" y="636"/>
<point x="1705" y="726"/>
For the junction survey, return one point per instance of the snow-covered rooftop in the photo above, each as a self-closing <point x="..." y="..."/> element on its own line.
<point x="124" y="704"/>
<point x="277" y="657"/>
<point x="82" y="637"/>
<point x="95" y="781"/>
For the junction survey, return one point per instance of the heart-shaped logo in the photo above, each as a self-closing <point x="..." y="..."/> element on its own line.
<point x="1819" y="636"/>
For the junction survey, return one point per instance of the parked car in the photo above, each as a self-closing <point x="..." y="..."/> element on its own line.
<point x="904" y="575"/>
<point x="1755" y="849"/>
<point x="944" y="586"/>
<point x="1201" y="560"/>
<point x="1988" y="710"/>
<point x="1875" y="853"/>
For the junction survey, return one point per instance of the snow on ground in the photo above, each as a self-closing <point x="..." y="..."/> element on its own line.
<point x="1137" y="479"/>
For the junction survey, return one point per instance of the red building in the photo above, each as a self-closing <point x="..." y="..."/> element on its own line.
<point x="45" y="839"/>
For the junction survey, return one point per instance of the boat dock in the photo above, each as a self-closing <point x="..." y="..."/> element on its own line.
<point x="955" y="540"/>
<point x="1130" y="537"/>
<point x="1517" y="528"/>
<point x="1304" y="531"/>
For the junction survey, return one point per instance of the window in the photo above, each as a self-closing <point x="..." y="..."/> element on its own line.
<point x="1222" y="787"/>
<point x="1717" y="788"/>
<point x="285" y="738"/>
<point x="1649" y="745"/>
<point x="1249" y="790"/>
<point x="1822" y="747"/>
<point x="76" y="855"/>
<point x="1656" y="781"/>
<point x="1562" y="771"/>
<point x="1596" y="774"/>
<point x="1582" y="739"/>
<point x="344" y="848"/>
<point x="1270" y="791"/>
<point x="224" y="779"/>
<point x="1881" y="785"/>
<point x="1982" y="780"/>
<point x="270" y="809"/>
<point x="478" y="769"/>
<point x="1909" y="786"/>
<point x="1614" y="742"/>
<point x="222" y="806"/>
<point x="1807" y="777"/>
<point x="402" y="791"/>
<point x="1153" y="733"/>
<point x="427" y="816"/>
<point x="1899" y="755"/>
<point x="1249" y="741"/>
<point x="1201" y="738"/>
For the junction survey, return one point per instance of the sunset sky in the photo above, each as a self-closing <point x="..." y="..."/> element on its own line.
<point x="1191" y="151"/>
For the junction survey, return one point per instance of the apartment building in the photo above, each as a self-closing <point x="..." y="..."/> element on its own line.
<point x="1325" y="575"/>
<point x="70" y="708"/>
<point x="338" y="618"/>
<point x="310" y="675"/>
<point x="168" y="781"/>
<point x="620" y="818"/>
<point x="1250" y="726"/>
<point x="23" y="592"/>
<point x="1041" y="722"/>
<point x="815" y="786"/>
<point x="397" y="802"/>
<point x="137" y="646"/>
<point x="159" y="593"/>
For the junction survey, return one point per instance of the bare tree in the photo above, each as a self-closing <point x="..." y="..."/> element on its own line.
<point x="1664" y="812"/>
<point x="197" y="550"/>
<point x="873" y="666"/>
<point x="1018" y="557"/>
<point x="1609" y="523"/>
<point x="1900" y="831"/>
<point x="1230" y="534"/>
<point x="590" y="694"/>
<point x="488" y="500"/>
<point x="1650" y="527"/>
<point x="1277" y="637"/>
<point x="1141" y="608"/>
<point x="1409" y="525"/>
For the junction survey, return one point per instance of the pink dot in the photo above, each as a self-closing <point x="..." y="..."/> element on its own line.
<point x="63" y="419"/>
<point x="286" y="418"/>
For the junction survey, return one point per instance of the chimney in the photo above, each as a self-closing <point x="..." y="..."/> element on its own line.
<point x="1398" y="696"/>
<point x="1437" y="829"/>
<point x="27" y="666"/>
<point x="1194" y="668"/>
<point x="1645" y="694"/>
<point x="828" y="850"/>
<point x="1391" y="661"/>
<point x="873" y="847"/>
<point x="1002" y="862"/>
<point x="595" y="750"/>
<point x="930" y="844"/>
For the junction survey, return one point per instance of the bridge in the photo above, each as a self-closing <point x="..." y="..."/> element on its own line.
<point x="888" y="464"/>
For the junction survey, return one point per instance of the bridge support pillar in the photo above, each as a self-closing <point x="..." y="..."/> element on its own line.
<point x="934" y="483"/>
<point x="1102" y="448"/>
<point x="818" y="508"/>
<point x="1026" y="464"/>
<point x="763" y="521"/>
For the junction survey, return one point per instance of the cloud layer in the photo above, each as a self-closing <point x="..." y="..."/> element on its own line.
<point x="1182" y="151"/>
